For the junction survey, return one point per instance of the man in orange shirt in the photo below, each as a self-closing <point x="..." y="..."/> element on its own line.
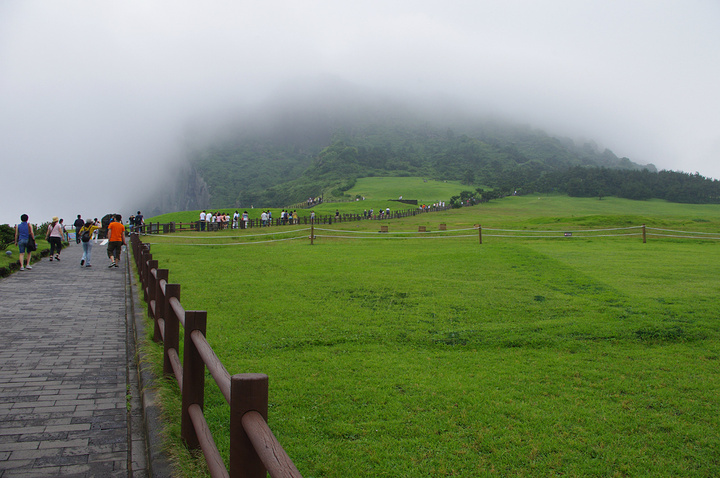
<point x="116" y="239"/>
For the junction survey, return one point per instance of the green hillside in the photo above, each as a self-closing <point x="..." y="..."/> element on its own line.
<point x="420" y="189"/>
<point x="253" y="172"/>
<point x="379" y="193"/>
<point x="288" y="150"/>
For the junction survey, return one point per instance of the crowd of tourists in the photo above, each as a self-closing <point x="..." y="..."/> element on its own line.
<point x="221" y="220"/>
<point x="56" y="235"/>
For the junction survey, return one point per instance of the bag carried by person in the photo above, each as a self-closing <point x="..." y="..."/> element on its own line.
<point x="31" y="246"/>
<point x="85" y="237"/>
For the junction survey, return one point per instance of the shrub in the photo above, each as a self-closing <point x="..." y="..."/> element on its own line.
<point x="7" y="236"/>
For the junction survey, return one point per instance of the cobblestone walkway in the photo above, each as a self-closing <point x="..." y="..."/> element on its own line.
<point x="68" y="391"/>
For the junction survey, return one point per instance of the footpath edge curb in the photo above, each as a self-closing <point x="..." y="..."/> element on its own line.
<point x="159" y="465"/>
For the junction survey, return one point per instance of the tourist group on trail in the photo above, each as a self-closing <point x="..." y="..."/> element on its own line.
<point x="87" y="233"/>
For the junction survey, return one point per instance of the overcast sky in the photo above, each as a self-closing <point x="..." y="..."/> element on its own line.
<point x="94" y="95"/>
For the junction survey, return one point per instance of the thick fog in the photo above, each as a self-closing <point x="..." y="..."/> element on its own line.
<point x="95" y="96"/>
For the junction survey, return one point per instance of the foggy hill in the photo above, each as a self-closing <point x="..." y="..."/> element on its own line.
<point x="287" y="150"/>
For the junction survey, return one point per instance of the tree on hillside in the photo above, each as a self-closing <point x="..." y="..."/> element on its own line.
<point x="468" y="177"/>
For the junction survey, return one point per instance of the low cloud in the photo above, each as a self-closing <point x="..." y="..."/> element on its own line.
<point x="95" y="96"/>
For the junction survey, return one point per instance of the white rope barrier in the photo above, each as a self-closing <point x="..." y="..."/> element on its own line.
<point x="226" y="237"/>
<point x="447" y="234"/>
<point x="563" y="231"/>
<point x="398" y="232"/>
<point x="391" y="237"/>
<point x="563" y="237"/>
<point x="684" y="237"/>
<point x="681" y="232"/>
<point x="230" y="243"/>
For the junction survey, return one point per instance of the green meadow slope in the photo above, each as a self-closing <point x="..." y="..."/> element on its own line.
<point x="434" y="355"/>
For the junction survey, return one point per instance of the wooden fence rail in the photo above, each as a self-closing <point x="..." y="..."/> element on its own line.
<point x="254" y="450"/>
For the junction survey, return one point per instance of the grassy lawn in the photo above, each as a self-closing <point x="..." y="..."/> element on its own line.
<point x="378" y="193"/>
<point x="14" y="257"/>
<point x="423" y="190"/>
<point x="517" y="357"/>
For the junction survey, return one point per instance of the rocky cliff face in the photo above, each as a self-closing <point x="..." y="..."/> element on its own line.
<point x="187" y="191"/>
<point x="195" y="194"/>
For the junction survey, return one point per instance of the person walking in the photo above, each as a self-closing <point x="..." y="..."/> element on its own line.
<point x="116" y="239"/>
<point x="54" y="237"/>
<point x="79" y="223"/>
<point x="139" y="223"/>
<point x="85" y="235"/>
<point x="65" y="237"/>
<point x="23" y="233"/>
<point x="96" y="232"/>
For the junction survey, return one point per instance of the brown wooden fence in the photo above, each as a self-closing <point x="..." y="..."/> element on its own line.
<point x="254" y="450"/>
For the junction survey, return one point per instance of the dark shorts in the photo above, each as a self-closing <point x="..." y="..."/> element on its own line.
<point x="55" y="245"/>
<point x="114" y="249"/>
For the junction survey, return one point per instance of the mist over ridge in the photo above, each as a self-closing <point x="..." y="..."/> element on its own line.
<point x="105" y="93"/>
<point x="276" y="152"/>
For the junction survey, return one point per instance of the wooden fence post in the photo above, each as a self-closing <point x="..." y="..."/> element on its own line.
<point x="172" y="327"/>
<point x="145" y="256"/>
<point x="480" y="232"/>
<point x="159" y="297"/>
<point x="644" y="236"/>
<point x="248" y="392"/>
<point x="150" y="285"/>
<point x="312" y="234"/>
<point x="134" y="244"/>
<point x="193" y="390"/>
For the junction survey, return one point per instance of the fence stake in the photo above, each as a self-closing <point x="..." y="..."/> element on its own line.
<point x="480" y="233"/>
<point x="172" y="327"/>
<point x="193" y="391"/>
<point x="145" y="257"/>
<point x="644" y="236"/>
<point x="150" y="283"/>
<point x="151" y="286"/>
<point x="312" y="234"/>
<point x="159" y="297"/>
<point x="248" y="392"/>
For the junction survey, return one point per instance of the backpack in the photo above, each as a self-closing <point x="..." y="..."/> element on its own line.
<point x="85" y="236"/>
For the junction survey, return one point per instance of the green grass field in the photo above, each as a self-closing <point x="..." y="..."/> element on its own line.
<point x="378" y="192"/>
<point x="14" y="257"/>
<point x="423" y="190"/>
<point x="443" y="357"/>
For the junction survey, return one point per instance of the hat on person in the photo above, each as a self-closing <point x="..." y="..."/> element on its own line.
<point x="55" y="219"/>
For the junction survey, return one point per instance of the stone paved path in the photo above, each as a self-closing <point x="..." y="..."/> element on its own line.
<point x="68" y="389"/>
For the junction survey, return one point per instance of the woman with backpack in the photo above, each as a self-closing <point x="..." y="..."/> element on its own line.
<point x="86" y="233"/>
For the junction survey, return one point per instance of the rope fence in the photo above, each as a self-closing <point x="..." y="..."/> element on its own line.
<point x="442" y="233"/>
<point x="684" y="234"/>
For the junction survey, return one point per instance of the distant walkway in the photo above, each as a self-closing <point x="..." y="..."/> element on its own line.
<point x="67" y="368"/>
